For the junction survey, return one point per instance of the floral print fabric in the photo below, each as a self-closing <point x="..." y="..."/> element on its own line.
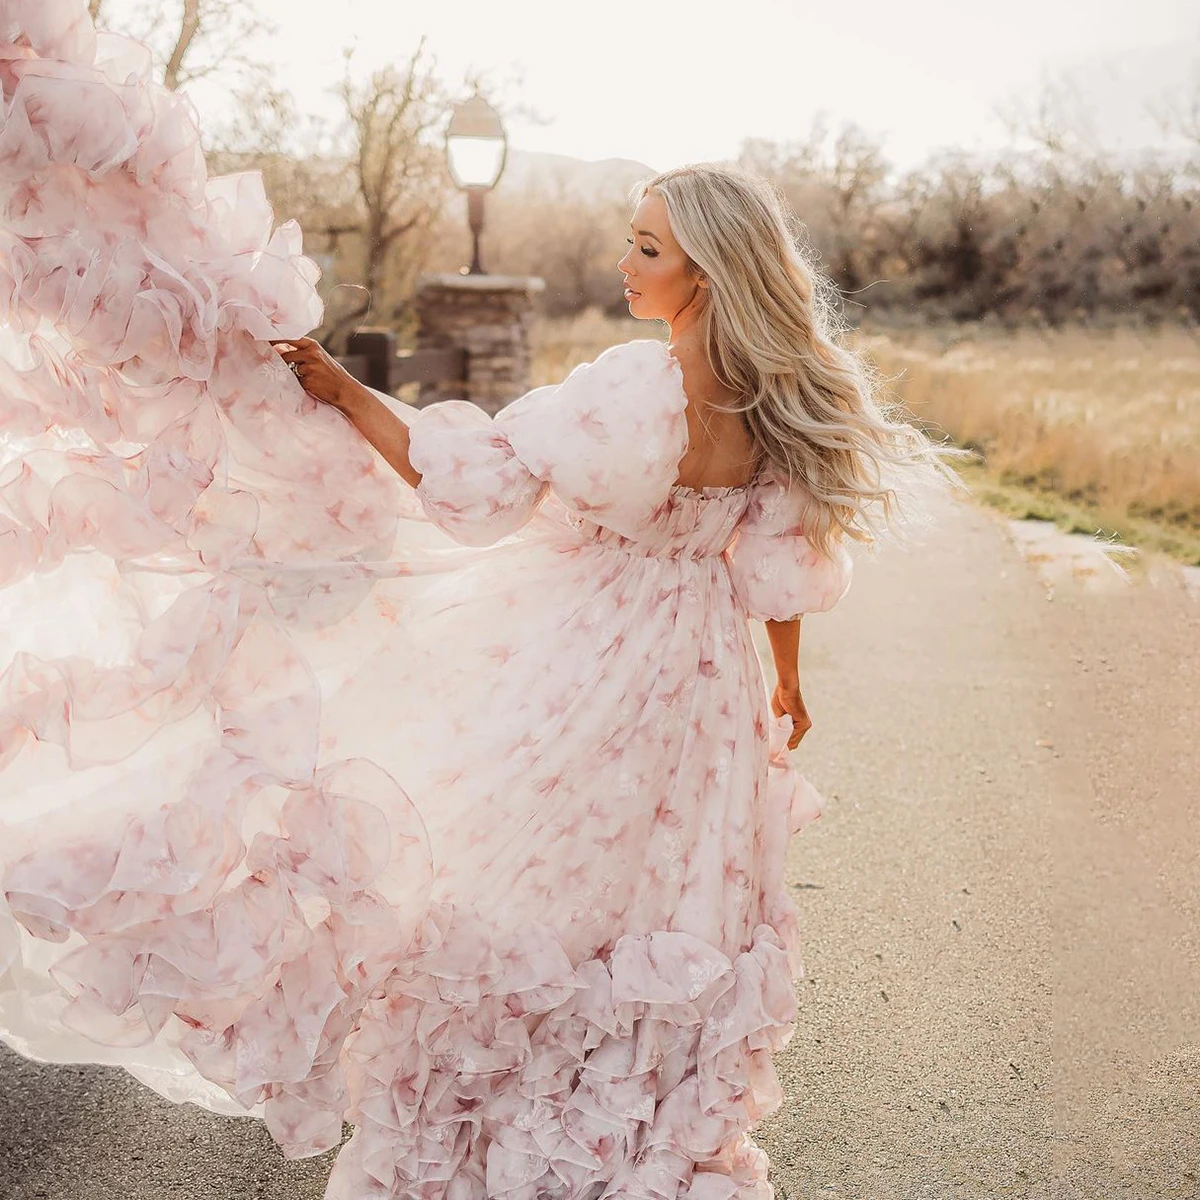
<point x="608" y="440"/>
<point x="457" y="814"/>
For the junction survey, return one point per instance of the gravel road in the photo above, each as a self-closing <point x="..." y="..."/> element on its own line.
<point x="1001" y="907"/>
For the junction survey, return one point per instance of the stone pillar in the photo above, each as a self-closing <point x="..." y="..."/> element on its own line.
<point x="488" y="316"/>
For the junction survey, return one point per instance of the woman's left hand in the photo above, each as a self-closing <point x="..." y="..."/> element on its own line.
<point x="787" y="699"/>
<point x="319" y="373"/>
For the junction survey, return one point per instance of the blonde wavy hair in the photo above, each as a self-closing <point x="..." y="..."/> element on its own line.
<point x="772" y="333"/>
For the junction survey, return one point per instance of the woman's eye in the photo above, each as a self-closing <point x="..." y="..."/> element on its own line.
<point x="646" y="250"/>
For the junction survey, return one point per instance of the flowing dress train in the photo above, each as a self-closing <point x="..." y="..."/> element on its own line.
<point x="457" y="813"/>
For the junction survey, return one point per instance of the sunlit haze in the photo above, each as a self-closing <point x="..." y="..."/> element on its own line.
<point x="668" y="83"/>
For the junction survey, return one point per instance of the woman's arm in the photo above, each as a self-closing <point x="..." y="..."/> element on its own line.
<point x="380" y="426"/>
<point x="325" y="379"/>
<point x="785" y="646"/>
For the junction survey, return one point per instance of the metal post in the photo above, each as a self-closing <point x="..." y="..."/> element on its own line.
<point x="475" y="197"/>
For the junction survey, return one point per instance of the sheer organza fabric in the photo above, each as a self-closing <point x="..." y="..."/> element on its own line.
<point x="457" y="814"/>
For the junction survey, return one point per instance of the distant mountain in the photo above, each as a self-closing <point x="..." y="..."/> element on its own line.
<point x="532" y="168"/>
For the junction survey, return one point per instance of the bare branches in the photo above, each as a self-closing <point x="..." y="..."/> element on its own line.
<point x="189" y="27"/>
<point x="195" y="39"/>
<point x="400" y="180"/>
<point x="1178" y="114"/>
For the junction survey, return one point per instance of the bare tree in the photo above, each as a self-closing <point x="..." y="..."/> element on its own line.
<point x="1178" y="114"/>
<point x="836" y="185"/>
<point x="189" y="27"/>
<point x="399" y="174"/>
<point x="857" y="174"/>
<point x="193" y="39"/>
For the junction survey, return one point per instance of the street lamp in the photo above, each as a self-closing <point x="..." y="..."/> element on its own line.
<point x="476" y="149"/>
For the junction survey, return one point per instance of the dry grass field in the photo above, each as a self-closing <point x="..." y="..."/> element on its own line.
<point x="560" y="344"/>
<point x="1098" y="430"/>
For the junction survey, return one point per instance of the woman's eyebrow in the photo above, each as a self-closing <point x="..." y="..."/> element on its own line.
<point x="647" y="233"/>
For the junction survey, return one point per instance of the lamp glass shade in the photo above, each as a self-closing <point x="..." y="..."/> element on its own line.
<point x="475" y="161"/>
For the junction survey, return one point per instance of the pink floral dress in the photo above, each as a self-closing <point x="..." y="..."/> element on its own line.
<point x="608" y="799"/>
<point x="628" y="597"/>
<point x="457" y="814"/>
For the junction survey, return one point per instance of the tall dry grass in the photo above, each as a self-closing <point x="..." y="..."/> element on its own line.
<point x="560" y="343"/>
<point x="1106" y="423"/>
<point x="1097" y="429"/>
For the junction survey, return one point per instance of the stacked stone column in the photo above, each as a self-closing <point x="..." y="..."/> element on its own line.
<point x="489" y="316"/>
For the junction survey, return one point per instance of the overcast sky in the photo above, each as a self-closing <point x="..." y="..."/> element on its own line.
<point x="668" y="82"/>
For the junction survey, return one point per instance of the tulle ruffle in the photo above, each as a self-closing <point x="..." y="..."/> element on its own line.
<point x="475" y="1062"/>
<point x="489" y="1067"/>
<point x="158" y="469"/>
<point x="152" y="447"/>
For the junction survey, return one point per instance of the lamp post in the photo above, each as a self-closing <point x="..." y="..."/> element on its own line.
<point x="476" y="149"/>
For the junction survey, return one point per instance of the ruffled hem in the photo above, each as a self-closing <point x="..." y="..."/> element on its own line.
<point x="488" y="1067"/>
<point x="475" y="1062"/>
<point x="483" y="1066"/>
<point x="298" y="977"/>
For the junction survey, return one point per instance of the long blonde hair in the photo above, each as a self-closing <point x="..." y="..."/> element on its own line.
<point x="771" y="332"/>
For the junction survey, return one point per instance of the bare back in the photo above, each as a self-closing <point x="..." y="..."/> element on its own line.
<point x="721" y="450"/>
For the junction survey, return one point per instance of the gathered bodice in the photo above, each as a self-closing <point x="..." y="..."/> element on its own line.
<point x="690" y="523"/>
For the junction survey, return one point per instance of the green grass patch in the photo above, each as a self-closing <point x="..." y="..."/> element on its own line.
<point x="1028" y="498"/>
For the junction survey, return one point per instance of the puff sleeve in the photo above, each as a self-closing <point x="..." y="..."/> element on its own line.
<point x="473" y="486"/>
<point x="607" y="440"/>
<point x="777" y="574"/>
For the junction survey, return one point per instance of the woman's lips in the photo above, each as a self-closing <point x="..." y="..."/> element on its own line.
<point x="630" y="293"/>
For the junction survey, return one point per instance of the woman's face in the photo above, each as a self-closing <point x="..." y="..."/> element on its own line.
<point x="658" y="286"/>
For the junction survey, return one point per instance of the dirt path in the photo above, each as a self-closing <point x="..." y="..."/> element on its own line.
<point x="1001" y="902"/>
<point x="1002" y="898"/>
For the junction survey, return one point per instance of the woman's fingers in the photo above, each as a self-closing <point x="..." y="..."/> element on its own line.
<point x="789" y="700"/>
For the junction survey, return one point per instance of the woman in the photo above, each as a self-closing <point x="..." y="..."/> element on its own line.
<point x="455" y="811"/>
